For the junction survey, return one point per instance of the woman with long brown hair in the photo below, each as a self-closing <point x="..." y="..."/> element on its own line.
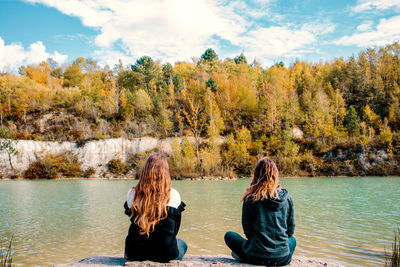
<point x="268" y="220"/>
<point x="155" y="210"/>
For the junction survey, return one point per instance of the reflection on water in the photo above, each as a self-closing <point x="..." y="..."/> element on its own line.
<point x="347" y="220"/>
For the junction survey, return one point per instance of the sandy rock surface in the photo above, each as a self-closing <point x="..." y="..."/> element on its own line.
<point x="189" y="261"/>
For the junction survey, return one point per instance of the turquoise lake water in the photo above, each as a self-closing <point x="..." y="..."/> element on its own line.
<point x="346" y="220"/>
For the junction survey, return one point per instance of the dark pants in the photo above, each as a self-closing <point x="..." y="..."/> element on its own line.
<point x="182" y="247"/>
<point x="235" y="242"/>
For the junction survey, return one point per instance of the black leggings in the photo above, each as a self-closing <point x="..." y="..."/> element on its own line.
<point x="235" y="242"/>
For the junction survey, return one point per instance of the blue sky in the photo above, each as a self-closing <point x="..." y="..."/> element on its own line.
<point x="177" y="30"/>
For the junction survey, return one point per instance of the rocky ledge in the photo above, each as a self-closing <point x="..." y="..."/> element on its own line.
<point x="189" y="261"/>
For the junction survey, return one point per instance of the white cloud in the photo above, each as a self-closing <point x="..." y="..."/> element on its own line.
<point x="319" y="28"/>
<point x="111" y="58"/>
<point x="152" y="27"/>
<point x="387" y="31"/>
<point x="173" y="30"/>
<point x="366" y="5"/>
<point x="242" y="8"/>
<point x="365" y="26"/>
<point x="271" y="43"/>
<point x="14" y="55"/>
<point x="263" y="1"/>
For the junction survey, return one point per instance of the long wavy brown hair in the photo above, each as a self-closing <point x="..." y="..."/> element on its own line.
<point x="265" y="183"/>
<point x="152" y="193"/>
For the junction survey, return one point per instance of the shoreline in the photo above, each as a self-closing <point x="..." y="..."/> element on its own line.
<point x="188" y="179"/>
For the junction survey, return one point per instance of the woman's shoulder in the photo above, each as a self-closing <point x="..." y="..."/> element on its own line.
<point x="284" y="193"/>
<point x="129" y="197"/>
<point x="174" y="198"/>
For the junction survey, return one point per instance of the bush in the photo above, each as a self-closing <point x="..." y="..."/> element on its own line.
<point x="116" y="166"/>
<point x="235" y="153"/>
<point x="51" y="166"/>
<point x="137" y="161"/>
<point x="37" y="170"/>
<point x="210" y="159"/>
<point x="77" y="136"/>
<point x="89" y="172"/>
<point x="182" y="159"/>
<point x="70" y="165"/>
<point x="330" y="168"/>
<point x="308" y="162"/>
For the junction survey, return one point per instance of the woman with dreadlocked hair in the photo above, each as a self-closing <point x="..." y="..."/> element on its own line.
<point x="155" y="210"/>
<point x="268" y="220"/>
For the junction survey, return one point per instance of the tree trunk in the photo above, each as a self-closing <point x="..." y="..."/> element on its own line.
<point x="117" y="96"/>
<point x="9" y="160"/>
<point x="197" y="148"/>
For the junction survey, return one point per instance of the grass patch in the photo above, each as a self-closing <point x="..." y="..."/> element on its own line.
<point x="393" y="258"/>
<point x="5" y="256"/>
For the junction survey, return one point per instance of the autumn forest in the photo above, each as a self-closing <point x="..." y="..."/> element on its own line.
<point x="330" y="118"/>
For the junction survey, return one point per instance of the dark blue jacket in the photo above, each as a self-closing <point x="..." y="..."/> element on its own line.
<point x="268" y="224"/>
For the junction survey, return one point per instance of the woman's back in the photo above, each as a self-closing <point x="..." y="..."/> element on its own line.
<point x="268" y="220"/>
<point x="155" y="214"/>
<point x="268" y="224"/>
<point x="161" y="244"/>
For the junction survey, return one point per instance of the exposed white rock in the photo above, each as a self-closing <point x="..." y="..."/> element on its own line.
<point x="94" y="154"/>
<point x="297" y="133"/>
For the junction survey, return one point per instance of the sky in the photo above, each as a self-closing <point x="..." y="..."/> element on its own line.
<point x="268" y="31"/>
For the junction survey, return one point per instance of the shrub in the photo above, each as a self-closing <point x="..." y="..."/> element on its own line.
<point x="235" y="153"/>
<point x="288" y="159"/>
<point x="308" y="162"/>
<point x="137" y="161"/>
<point x="70" y="165"/>
<point x="38" y="170"/>
<point x="78" y="137"/>
<point x="50" y="166"/>
<point x="210" y="159"/>
<point x="176" y="156"/>
<point x="116" y="166"/>
<point x="189" y="156"/>
<point x="183" y="159"/>
<point x="89" y="172"/>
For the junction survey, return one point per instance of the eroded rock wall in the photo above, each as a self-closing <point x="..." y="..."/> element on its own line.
<point x="94" y="154"/>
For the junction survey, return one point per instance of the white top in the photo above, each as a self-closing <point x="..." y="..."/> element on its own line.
<point x="174" y="198"/>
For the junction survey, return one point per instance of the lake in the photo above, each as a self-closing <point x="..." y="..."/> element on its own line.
<point x="338" y="219"/>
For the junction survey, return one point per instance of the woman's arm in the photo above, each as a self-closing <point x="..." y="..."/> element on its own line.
<point x="128" y="202"/>
<point x="180" y="209"/>
<point x="128" y="211"/>
<point x="291" y="221"/>
<point x="246" y="219"/>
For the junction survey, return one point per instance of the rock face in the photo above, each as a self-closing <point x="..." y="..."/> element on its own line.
<point x="297" y="133"/>
<point x="189" y="261"/>
<point x="94" y="154"/>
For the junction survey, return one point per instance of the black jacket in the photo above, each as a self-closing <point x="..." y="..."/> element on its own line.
<point x="268" y="224"/>
<point x="161" y="245"/>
